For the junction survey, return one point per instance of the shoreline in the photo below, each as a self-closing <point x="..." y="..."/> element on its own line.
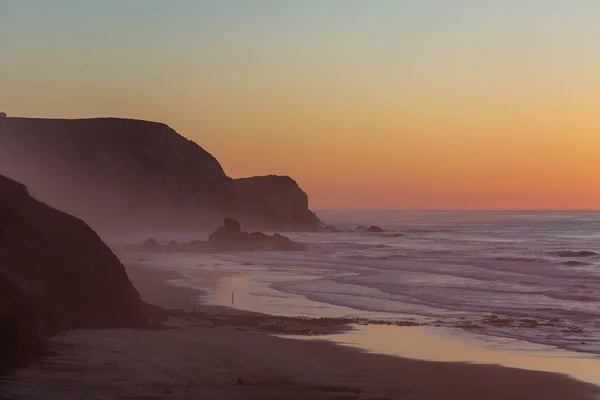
<point x="388" y="337"/>
<point x="196" y="358"/>
<point x="270" y="283"/>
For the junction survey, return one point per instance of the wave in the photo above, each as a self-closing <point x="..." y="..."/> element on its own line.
<point x="575" y="263"/>
<point x="576" y="253"/>
<point x="572" y="296"/>
<point x="520" y="259"/>
<point x="430" y="305"/>
<point x="358" y="257"/>
<point x="358" y="246"/>
<point x="393" y="235"/>
<point x="431" y="230"/>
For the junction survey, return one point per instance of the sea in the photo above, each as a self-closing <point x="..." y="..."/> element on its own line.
<point x="528" y="276"/>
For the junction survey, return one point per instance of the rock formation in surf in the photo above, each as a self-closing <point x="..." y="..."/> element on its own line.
<point x="55" y="274"/>
<point x="369" y="229"/>
<point x="231" y="237"/>
<point x="228" y="237"/>
<point x="133" y="173"/>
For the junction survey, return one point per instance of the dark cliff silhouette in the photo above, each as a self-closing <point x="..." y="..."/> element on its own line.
<point x="136" y="173"/>
<point x="55" y="274"/>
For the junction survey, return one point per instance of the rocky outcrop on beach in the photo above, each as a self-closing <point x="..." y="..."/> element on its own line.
<point x="369" y="229"/>
<point x="151" y="245"/>
<point x="55" y="274"/>
<point x="329" y="229"/>
<point x="231" y="237"/>
<point x="130" y="174"/>
<point x="228" y="237"/>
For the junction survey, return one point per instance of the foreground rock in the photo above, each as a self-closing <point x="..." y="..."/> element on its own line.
<point x="55" y="274"/>
<point x="120" y="174"/>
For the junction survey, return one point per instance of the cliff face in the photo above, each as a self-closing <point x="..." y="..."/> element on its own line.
<point x="137" y="173"/>
<point x="275" y="201"/>
<point x="55" y="274"/>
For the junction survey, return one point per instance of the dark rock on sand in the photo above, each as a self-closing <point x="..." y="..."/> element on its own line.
<point x="120" y="174"/>
<point x="231" y="237"/>
<point x="369" y="229"/>
<point x="228" y="237"/>
<point x="151" y="245"/>
<point x="329" y="229"/>
<point x="55" y="274"/>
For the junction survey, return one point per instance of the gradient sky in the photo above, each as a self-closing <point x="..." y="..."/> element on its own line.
<point x="419" y="104"/>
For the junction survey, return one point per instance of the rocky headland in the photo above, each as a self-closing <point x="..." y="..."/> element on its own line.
<point x="122" y="173"/>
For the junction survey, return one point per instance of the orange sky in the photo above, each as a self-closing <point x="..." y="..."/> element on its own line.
<point x="367" y="105"/>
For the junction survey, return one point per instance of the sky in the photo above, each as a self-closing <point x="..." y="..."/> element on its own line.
<point x="371" y="104"/>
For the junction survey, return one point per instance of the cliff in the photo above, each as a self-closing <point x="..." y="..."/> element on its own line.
<point x="276" y="202"/>
<point x="139" y="173"/>
<point x="55" y="274"/>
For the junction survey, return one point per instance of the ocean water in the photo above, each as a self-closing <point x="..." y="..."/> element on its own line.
<point x="533" y="276"/>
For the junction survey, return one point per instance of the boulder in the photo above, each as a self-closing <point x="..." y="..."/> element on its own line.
<point x="370" y="229"/>
<point x="151" y="245"/>
<point x="231" y="226"/>
<point x="329" y="229"/>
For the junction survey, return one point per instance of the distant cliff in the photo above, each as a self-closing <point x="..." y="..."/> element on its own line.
<point x="111" y="171"/>
<point x="55" y="274"/>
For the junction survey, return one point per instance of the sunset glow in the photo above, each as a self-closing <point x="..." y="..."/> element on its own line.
<point x="383" y="104"/>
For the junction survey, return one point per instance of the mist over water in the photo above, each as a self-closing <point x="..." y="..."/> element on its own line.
<point x="527" y="275"/>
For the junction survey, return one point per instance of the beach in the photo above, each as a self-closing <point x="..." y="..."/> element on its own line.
<point x="345" y="200"/>
<point x="216" y="353"/>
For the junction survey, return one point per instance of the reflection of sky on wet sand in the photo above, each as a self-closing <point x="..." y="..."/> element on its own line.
<point x="252" y="291"/>
<point x="451" y="345"/>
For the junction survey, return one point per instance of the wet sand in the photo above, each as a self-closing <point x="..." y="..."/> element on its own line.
<point x="204" y="355"/>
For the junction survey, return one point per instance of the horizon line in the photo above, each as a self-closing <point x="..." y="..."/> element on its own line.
<point x="449" y="210"/>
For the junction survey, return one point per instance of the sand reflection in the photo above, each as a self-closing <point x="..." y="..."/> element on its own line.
<point x="449" y="345"/>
